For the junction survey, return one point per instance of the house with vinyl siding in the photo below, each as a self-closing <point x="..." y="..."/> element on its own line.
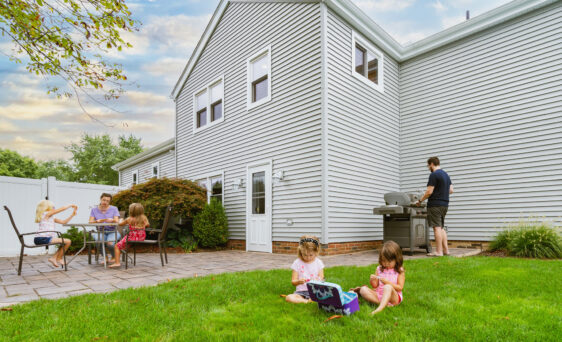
<point x="301" y="115"/>
<point x="158" y="161"/>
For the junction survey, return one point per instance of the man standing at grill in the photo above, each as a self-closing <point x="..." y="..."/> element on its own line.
<point x="439" y="187"/>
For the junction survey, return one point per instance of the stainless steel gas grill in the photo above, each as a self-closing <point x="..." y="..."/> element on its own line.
<point x="404" y="222"/>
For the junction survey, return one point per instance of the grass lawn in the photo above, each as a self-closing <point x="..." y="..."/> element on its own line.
<point x="448" y="299"/>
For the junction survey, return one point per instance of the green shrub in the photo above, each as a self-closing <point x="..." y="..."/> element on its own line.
<point x="186" y="197"/>
<point x="531" y="239"/>
<point x="501" y="241"/>
<point x="210" y="227"/>
<point x="77" y="237"/>
<point x="182" y="238"/>
<point x="539" y="242"/>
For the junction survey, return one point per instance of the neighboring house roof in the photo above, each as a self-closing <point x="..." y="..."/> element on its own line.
<point x="367" y="27"/>
<point x="167" y="145"/>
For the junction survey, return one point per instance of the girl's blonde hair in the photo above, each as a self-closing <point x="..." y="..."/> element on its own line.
<point x="392" y="252"/>
<point x="42" y="207"/>
<point x="136" y="212"/>
<point x="308" y="243"/>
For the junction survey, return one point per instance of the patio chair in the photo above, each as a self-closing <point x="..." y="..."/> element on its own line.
<point x="24" y="245"/>
<point x="160" y="241"/>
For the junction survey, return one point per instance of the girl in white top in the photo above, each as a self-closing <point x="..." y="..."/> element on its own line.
<point x="305" y="268"/>
<point x="44" y="215"/>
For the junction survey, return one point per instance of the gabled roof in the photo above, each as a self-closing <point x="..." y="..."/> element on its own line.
<point x="368" y="28"/>
<point x="167" y="145"/>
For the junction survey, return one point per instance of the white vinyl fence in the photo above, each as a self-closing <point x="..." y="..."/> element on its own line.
<point x="21" y="196"/>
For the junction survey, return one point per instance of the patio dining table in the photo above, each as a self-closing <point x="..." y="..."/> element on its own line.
<point x="100" y="231"/>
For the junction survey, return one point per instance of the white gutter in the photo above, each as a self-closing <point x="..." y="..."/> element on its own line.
<point x="367" y="27"/>
<point x="167" y="145"/>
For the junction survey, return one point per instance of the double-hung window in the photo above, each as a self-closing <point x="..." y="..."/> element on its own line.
<point x="156" y="170"/>
<point x="367" y="62"/>
<point x="208" y="104"/>
<point x="214" y="186"/>
<point x="259" y="78"/>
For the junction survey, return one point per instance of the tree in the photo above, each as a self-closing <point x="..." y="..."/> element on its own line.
<point x="67" y="38"/>
<point x="94" y="155"/>
<point x="12" y="164"/>
<point x="60" y="169"/>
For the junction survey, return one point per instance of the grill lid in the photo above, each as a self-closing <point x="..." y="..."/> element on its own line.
<point x="397" y="198"/>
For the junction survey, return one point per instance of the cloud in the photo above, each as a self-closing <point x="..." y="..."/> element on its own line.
<point x="438" y="6"/>
<point x="450" y="21"/>
<point x="165" y="66"/>
<point x="384" y="5"/>
<point x="7" y="127"/>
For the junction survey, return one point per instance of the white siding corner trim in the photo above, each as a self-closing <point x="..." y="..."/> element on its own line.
<point x="253" y="58"/>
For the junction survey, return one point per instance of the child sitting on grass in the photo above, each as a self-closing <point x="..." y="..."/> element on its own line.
<point x="305" y="268"/>
<point x="137" y="222"/>
<point x="388" y="280"/>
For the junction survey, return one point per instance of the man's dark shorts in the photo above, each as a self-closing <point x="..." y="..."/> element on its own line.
<point x="436" y="216"/>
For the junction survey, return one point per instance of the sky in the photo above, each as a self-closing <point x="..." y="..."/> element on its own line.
<point x="40" y="126"/>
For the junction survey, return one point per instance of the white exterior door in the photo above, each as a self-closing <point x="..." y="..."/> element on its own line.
<point x="258" y="207"/>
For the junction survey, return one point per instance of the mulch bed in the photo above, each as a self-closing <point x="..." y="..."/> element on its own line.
<point x="498" y="253"/>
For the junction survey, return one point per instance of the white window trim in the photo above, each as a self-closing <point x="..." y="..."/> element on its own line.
<point x="157" y="164"/>
<point x="365" y="43"/>
<point x="135" y="172"/>
<point x="208" y="178"/>
<point x="249" y="61"/>
<point x="208" y="90"/>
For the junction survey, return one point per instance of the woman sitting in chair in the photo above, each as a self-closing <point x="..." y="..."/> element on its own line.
<point x="106" y="213"/>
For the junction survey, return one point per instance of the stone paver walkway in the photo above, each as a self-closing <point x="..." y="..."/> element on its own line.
<point x="40" y="280"/>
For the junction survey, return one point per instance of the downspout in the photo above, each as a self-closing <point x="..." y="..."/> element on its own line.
<point x="324" y="239"/>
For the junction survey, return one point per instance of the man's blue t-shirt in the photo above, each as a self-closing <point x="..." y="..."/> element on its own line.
<point x="441" y="182"/>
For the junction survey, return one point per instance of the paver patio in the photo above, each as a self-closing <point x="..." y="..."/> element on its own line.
<point x="40" y="280"/>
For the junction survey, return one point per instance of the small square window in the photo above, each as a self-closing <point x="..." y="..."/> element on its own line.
<point x="367" y="62"/>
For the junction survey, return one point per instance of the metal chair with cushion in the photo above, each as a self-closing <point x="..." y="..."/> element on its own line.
<point x="160" y="240"/>
<point x="24" y="245"/>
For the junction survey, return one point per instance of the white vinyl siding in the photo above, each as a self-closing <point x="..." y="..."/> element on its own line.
<point x="489" y="106"/>
<point x="166" y="168"/>
<point x="363" y="141"/>
<point x="286" y="129"/>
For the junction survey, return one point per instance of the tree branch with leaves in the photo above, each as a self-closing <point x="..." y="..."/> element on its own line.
<point x="70" y="39"/>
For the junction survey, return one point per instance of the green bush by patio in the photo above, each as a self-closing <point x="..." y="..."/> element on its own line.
<point x="186" y="197"/>
<point x="531" y="239"/>
<point x="210" y="226"/>
<point x="445" y="299"/>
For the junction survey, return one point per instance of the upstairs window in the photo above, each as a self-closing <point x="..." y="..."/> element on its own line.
<point x="367" y="62"/>
<point x="209" y="105"/>
<point x="259" y="77"/>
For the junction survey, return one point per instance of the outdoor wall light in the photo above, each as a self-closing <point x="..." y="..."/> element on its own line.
<point x="278" y="176"/>
<point x="238" y="184"/>
<point x="289" y="222"/>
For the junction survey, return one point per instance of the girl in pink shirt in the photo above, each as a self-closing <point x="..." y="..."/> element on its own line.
<point x="305" y="268"/>
<point x="388" y="280"/>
